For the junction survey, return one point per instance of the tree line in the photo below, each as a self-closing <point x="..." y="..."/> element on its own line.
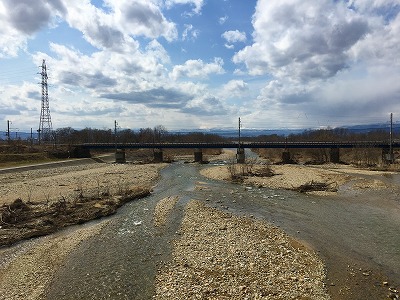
<point x="158" y="134"/>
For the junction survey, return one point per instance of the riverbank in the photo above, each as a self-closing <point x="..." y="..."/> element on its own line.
<point x="40" y="202"/>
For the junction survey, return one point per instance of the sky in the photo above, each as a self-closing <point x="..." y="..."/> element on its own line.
<point x="200" y="64"/>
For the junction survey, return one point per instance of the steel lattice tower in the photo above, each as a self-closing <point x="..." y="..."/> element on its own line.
<point x="45" y="126"/>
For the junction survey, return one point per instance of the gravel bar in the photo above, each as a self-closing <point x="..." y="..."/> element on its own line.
<point x="222" y="256"/>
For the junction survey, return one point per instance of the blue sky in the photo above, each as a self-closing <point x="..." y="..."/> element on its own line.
<point x="188" y="64"/>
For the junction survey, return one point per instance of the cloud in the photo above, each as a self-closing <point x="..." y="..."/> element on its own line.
<point x="154" y="98"/>
<point x="345" y="99"/>
<point x="197" y="69"/>
<point x="234" y="36"/>
<point x="234" y="88"/>
<point x="20" y="103"/>
<point x="331" y="61"/>
<point x="195" y="101"/>
<point x="106" y="71"/>
<point x="20" y="20"/>
<point x="111" y="27"/>
<point x="205" y="105"/>
<point x="25" y="17"/>
<point x="198" y="4"/>
<point x="223" y="19"/>
<point x="305" y="40"/>
<point x="189" y="33"/>
<point x="142" y="17"/>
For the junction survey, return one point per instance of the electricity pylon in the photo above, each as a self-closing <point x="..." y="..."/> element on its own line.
<point x="45" y="126"/>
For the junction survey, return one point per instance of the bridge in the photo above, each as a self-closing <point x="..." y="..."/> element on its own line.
<point x="334" y="147"/>
<point x="250" y="145"/>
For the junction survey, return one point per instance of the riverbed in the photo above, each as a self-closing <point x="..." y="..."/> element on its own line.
<point x="354" y="232"/>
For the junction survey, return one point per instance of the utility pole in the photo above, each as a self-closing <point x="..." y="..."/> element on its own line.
<point x="240" y="157"/>
<point x="115" y="134"/>
<point x="8" y="130"/>
<point x="391" y="139"/>
<point x="31" y="137"/>
<point x="45" y="126"/>
<point x="239" y="131"/>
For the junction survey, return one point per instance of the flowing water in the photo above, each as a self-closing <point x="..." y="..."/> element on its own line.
<point x="357" y="235"/>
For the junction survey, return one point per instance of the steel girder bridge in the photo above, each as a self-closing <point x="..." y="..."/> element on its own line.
<point x="243" y="145"/>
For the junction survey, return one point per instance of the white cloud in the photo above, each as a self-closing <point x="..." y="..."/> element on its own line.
<point x="142" y="17"/>
<point x="20" y="20"/>
<point x="113" y="28"/>
<point x="223" y="19"/>
<point x="234" y="88"/>
<point x="197" y="69"/>
<point x="190" y="33"/>
<point x="234" y="36"/>
<point x="302" y="39"/>
<point x="335" y="62"/>
<point x="198" y="4"/>
<point x="110" y="28"/>
<point x="108" y="71"/>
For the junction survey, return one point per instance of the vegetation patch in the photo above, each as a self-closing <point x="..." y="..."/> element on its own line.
<point x="22" y="220"/>
<point x="252" y="168"/>
<point x="316" y="187"/>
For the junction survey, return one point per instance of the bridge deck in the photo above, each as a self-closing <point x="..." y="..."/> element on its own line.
<point x="281" y="145"/>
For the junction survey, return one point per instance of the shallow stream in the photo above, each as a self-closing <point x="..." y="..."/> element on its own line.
<point x="356" y="234"/>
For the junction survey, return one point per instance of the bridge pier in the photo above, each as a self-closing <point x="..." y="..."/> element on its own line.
<point x="80" y="152"/>
<point x="387" y="157"/>
<point x="334" y="155"/>
<point x="286" y="159"/>
<point x="240" y="156"/>
<point x="198" y="155"/>
<point x="158" y="155"/>
<point x="120" y="156"/>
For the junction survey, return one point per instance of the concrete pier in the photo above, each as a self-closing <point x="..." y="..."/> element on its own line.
<point x="334" y="155"/>
<point x="387" y="157"/>
<point x="198" y="155"/>
<point x="286" y="159"/>
<point x="120" y="156"/>
<point x="158" y="155"/>
<point x="240" y="156"/>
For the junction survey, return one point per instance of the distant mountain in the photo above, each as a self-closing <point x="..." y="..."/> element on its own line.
<point x="372" y="127"/>
<point x="244" y="132"/>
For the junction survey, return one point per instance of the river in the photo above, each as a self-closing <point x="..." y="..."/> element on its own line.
<point x="355" y="233"/>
